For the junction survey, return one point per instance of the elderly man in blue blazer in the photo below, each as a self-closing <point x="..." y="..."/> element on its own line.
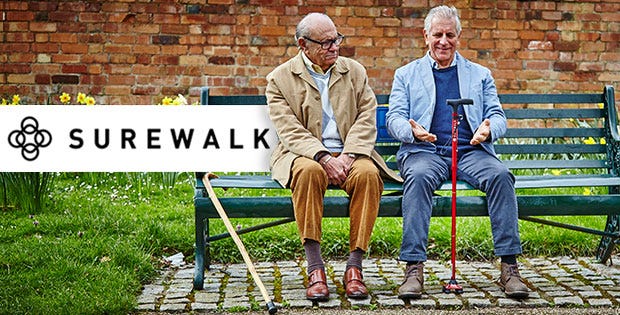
<point x="420" y="118"/>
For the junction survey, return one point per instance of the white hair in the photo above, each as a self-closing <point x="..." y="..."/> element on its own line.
<point x="442" y="12"/>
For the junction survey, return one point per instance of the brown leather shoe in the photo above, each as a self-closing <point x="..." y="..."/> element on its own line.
<point x="414" y="282"/>
<point x="354" y="284"/>
<point x="317" y="286"/>
<point x="511" y="282"/>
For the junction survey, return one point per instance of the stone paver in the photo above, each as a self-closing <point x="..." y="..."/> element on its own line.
<point x="554" y="281"/>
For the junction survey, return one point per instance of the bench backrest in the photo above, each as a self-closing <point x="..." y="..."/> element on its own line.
<point x="545" y="131"/>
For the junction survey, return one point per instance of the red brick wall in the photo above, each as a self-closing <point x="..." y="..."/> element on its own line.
<point x="136" y="51"/>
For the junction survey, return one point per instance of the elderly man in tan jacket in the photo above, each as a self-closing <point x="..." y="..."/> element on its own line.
<point x="324" y="113"/>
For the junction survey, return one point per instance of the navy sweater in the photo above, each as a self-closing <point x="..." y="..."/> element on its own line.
<point x="447" y="87"/>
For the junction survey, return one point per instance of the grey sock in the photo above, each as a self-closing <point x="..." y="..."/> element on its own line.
<point x="313" y="255"/>
<point x="355" y="259"/>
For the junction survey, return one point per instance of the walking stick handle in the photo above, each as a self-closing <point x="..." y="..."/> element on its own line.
<point x="456" y="102"/>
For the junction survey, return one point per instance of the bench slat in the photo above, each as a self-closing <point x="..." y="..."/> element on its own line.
<point x="554" y="132"/>
<point x="383" y="99"/>
<point x="526" y="181"/>
<point x="530" y="113"/>
<point x="548" y="148"/>
<point x="550" y="98"/>
<point x="554" y="164"/>
<point x="550" y="205"/>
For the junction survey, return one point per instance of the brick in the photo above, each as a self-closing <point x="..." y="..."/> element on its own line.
<point x="63" y="37"/>
<point x="174" y="50"/>
<point x="540" y="45"/>
<point x="70" y="68"/>
<point x="42" y="27"/>
<point x="359" y="22"/>
<point x="165" y="40"/>
<point x="483" y="24"/>
<point x="74" y="48"/>
<point x="91" y="17"/>
<point x="192" y="60"/>
<point x="383" y="22"/>
<point x="566" y="46"/>
<point x="19" y="16"/>
<point x="117" y="90"/>
<point x="123" y="58"/>
<point x="218" y="60"/>
<point x="45" y="47"/>
<point x="42" y="79"/>
<point x="20" y="78"/>
<point x="166" y="18"/>
<point x="564" y="66"/>
<point x="65" y="79"/>
<point x="179" y="29"/>
<point x="552" y="15"/>
<point x="118" y="49"/>
<point x="19" y="37"/>
<point x="166" y="60"/>
<point x="72" y="27"/>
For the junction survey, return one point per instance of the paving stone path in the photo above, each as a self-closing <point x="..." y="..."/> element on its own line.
<point x="553" y="281"/>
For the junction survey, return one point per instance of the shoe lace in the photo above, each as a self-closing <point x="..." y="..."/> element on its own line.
<point x="513" y="271"/>
<point x="412" y="271"/>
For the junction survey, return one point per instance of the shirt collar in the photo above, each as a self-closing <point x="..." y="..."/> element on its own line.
<point x="434" y="63"/>
<point x="314" y="67"/>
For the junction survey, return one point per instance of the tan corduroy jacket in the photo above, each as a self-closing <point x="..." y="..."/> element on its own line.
<point x="295" y="108"/>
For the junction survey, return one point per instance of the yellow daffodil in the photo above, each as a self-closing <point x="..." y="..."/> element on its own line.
<point x="181" y="99"/>
<point x="601" y="105"/>
<point x="556" y="172"/>
<point x="587" y="191"/>
<point x="166" y="101"/>
<point x="590" y="140"/>
<point x="90" y="100"/>
<point x="81" y="98"/>
<point x="65" y="98"/>
<point x="4" y="102"/>
<point x="15" y="100"/>
<point x="603" y="141"/>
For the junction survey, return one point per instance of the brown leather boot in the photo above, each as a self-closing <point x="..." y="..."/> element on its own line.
<point x="354" y="284"/>
<point x="414" y="282"/>
<point x="511" y="282"/>
<point x="317" y="286"/>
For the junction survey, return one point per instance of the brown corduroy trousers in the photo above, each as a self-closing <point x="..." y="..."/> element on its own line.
<point x="363" y="185"/>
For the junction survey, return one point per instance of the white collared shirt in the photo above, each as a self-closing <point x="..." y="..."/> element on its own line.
<point x="330" y="136"/>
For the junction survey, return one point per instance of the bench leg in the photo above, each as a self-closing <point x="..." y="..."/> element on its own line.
<point x="201" y="251"/>
<point x="606" y="246"/>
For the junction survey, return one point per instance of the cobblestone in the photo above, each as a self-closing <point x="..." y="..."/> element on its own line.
<point x="555" y="281"/>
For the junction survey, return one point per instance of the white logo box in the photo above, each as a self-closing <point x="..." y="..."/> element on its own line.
<point x="135" y="138"/>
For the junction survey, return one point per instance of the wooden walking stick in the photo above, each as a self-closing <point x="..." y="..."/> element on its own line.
<point x="271" y="307"/>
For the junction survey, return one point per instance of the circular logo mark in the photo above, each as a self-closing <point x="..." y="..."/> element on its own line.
<point x="30" y="138"/>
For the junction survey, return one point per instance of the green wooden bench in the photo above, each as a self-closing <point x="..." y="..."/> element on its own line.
<point x="552" y="141"/>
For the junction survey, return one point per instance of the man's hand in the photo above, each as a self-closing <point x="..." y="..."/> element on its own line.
<point x="482" y="133"/>
<point x="420" y="133"/>
<point x="337" y="168"/>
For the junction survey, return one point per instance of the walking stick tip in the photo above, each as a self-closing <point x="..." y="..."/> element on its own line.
<point x="271" y="307"/>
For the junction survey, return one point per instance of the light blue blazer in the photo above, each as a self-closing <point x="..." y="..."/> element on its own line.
<point x="413" y="96"/>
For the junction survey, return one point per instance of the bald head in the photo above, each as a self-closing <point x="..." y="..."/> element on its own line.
<point x="313" y="23"/>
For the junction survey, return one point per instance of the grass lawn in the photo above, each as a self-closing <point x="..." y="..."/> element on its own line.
<point x="103" y="236"/>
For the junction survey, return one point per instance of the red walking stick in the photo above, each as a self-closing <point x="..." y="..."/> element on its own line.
<point x="453" y="286"/>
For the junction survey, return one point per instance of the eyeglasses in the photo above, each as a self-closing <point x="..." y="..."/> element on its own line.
<point x="328" y="43"/>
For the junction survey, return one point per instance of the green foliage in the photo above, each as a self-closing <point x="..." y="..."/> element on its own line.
<point x="91" y="251"/>
<point x="104" y="235"/>
<point x="26" y="191"/>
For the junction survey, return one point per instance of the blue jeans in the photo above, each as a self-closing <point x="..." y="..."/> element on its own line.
<point x="424" y="172"/>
